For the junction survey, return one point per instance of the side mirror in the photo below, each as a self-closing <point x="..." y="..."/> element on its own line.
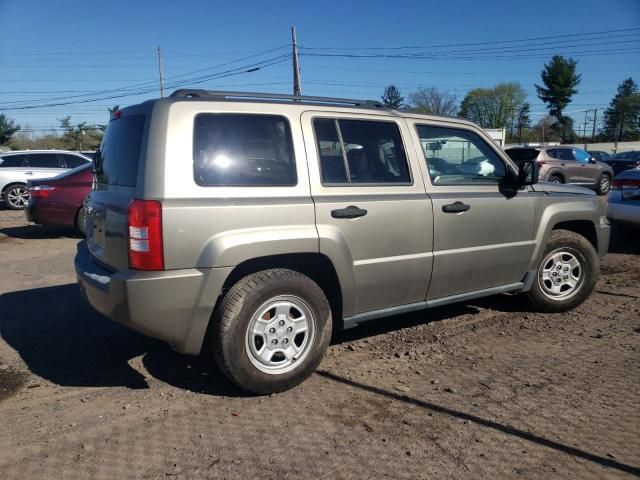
<point x="592" y="160"/>
<point x="528" y="171"/>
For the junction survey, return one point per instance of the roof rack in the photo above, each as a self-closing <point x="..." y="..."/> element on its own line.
<point x="199" y="93"/>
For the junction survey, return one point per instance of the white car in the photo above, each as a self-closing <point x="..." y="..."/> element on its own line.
<point x="17" y="167"/>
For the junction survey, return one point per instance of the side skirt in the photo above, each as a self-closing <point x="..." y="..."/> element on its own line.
<point x="356" y="320"/>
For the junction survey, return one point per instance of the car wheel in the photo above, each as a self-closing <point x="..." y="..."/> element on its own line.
<point x="604" y="184"/>
<point x="567" y="274"/>
<point x="555" y="179"/>
<point x="271" y="330"/>
<point x="16" y="196"/>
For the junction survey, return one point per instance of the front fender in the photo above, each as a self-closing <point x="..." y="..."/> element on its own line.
<point x="555" y="211"/>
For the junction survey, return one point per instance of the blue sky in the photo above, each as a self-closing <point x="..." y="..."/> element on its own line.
<point x="52" y="50"/>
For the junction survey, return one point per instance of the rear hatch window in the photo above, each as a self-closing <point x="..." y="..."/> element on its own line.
<point x="116" y="161"/>
<point x="520" y="154"/>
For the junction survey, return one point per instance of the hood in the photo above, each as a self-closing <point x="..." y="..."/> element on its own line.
<point x="562" y="188"/>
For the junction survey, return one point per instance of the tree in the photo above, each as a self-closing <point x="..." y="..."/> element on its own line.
<point x="433" y="101"/>
<point x="542" y="131"/>
<point x="496" y="107"/>
<point x="79" y="136"/>
<point x="391" y="97"/>
<point x="560" y="81"/>
<point x="622" y="118"/>
<point x="8" y="128"/>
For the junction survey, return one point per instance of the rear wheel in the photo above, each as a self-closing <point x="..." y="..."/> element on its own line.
<point x="556" y="179"/>
<point x="604" y="184"/>
<point x="271" y="330"/>
<point x="567" y="274"/>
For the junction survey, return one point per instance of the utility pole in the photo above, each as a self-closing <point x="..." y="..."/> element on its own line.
<point x="593" y="132"/>
<point x="160" y="72"/>
<point x="297" y="87"/>
<point x="584" y="128"/>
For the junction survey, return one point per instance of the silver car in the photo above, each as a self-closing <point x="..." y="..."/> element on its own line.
<point x="18" y="167"/>
<point x="262" y="222"/>
<point x="624" y="200"/>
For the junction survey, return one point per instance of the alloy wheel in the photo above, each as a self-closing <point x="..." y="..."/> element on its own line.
<point x="17" y="197"/>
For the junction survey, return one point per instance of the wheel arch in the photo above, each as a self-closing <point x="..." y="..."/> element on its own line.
<point x="316" y="266"/>
<point x="580" y="218"/>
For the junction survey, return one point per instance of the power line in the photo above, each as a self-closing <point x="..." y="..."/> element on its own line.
<point x="197" y="80"/>
<point x="495" y="42"/>
<point x="144" y="84"/>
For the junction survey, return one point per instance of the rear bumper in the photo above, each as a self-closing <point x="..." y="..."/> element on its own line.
<point x="174" y="306"/>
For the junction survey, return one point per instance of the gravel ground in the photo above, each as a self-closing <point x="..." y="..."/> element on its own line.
<point x="486" y="389"/>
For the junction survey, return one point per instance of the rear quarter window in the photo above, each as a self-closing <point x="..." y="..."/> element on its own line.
<point x="243" y="150"/>
<point x="117" y="160"/>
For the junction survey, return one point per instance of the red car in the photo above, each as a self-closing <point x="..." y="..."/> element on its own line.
<point x="57" y="201"/>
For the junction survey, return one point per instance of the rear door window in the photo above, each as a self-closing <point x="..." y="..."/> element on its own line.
<point x="117" y="159"/>
<point x="44" y="160"/>
<point x="12" y="161"/>
<point x="361" y="152"/>
<point x="73" y="161"/>
<point x="243" y="150"/>
<point x="564" y="154"/>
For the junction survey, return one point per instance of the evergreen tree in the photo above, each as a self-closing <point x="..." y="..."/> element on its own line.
<point x="560" y="81"/>
<point x="622" y="118"/>
<point x="7" y="129"/>
<point x="392" y="98"/>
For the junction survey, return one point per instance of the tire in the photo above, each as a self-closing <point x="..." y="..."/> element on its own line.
<point x="604" y="184"/>
<point x="568" y="258"/>
<point x="258" y="340"/>
<point x="555" y="179"/>
<point x="15" y="196"/>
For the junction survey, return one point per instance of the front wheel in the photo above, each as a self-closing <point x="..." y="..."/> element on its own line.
<point x="16" y="197"/>
<point x="271" y="330"/>
<point x="567" y="274"/>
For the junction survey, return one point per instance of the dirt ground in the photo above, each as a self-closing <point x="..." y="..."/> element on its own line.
<point x="486" y="389"/>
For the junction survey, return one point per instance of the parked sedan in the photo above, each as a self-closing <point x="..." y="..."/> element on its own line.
<point x="57" y="201"/>
<point x="17" y="167"/>
<point x="560" y="164"/>
<point x="624" y="201"/>
<point x="624" y="161"/>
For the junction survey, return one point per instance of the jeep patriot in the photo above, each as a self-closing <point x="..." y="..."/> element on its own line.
<point x="260" y="222"/>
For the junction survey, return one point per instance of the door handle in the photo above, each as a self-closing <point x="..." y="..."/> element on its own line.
<point x="350" y="212"/>
<point x="455" y="207"/>
<point x="28" y="173"/>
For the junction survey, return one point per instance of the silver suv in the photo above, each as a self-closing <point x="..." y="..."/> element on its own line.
<point x="261" y="222"/>
<point x="17" y="167"/>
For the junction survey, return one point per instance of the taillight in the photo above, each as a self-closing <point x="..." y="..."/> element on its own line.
<point x="41" y="191"/>
<point x="616" y="184"/>
<point x="541" y="162"/>
<point x="145" y="235"/>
